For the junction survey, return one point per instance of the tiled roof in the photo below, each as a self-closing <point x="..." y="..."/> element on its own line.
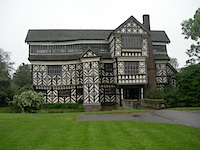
<point x="53" y="57"/>
<point x="63" y="57"/>
<point x="161" y="57"/>
<point x="159" y="36"/>
<point x="73" y="35"/>
<point x="66" y="35"/>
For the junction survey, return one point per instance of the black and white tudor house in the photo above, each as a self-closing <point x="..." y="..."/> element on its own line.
<point x="99" y="66"/>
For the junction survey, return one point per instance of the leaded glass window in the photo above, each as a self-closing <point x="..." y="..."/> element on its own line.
<point x="44" y="92"/>
<point x="75" y="48"/>
<point x="108" y="67"/>
<point x="54" y="70"/>
<point x="159" y="49"/>
<point x="109" y="91"/>
<point x="64" y="93"/>
<point x="132" y="41"/>
<point x="131" y="67"/>
<point x="79" y="91"/>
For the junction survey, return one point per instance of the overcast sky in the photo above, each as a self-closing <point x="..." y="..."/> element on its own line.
<point x="18" y="16"/>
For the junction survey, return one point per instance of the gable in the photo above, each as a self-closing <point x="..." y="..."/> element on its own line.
<point x="89" y="53"/>
<point x="131" y="25"/>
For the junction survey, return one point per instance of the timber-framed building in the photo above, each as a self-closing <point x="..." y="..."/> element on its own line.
<point x="99" y="66"/>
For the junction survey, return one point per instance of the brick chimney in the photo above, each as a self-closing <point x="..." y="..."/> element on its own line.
<point x="146" y="22"/>
<point x="151" y="68"/>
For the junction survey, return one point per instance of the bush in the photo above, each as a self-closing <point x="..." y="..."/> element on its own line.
<point x="155" y="94"/>
<point x="171" y="96"/>
<point x="62" y="107"/>
<point x="5" y="110"/>
<point x="28" y="101"/>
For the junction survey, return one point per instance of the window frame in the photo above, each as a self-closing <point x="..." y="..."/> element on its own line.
<point x="109" y="91"/>
<point x="44" y="92"/>
<point x="131" y="67"/>
<point x="79" y="91"/>
<point x="108" y="67"/>
<point x="131" y="41"/>
<point x="64" y="93"/>
<point x="54" y="70"/>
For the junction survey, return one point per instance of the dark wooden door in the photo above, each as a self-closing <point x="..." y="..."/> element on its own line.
<point x="131" y="93"/>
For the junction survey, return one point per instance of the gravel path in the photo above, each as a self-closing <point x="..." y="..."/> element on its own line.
<point x="188" y="118"/>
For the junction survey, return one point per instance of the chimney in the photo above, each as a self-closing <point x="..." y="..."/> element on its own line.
<point x="146" y="22"/>
<point x="151" y="68"/>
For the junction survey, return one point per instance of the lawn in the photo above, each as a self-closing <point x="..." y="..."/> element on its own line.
<point x="63" y="131"/>
<point x="185" y="108"/>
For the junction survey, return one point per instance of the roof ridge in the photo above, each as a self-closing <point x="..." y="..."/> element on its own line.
<point x="71" y="30"/>
<point x="157" y="30"/>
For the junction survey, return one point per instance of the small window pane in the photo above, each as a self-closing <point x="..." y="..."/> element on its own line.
<point x="79" y="91"/>
<point x="64" y="93"/>
<point x="108" y="67"/>
<point x="44" y="92"/>
<point x="54" y="70"/>
<point x="109" y="91"/>
<point x="131" y="68"/>
<point x="132" y="41"/>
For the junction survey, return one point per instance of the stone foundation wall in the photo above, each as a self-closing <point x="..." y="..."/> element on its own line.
<point x="130" y="103"/>
<point x="92" y="107"/>
<point x="153" y="103"/>
<point x="109" y="106"/>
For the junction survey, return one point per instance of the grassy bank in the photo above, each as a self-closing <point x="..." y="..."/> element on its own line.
<point x="186" y="108"/>
<point x="63" y="131"/>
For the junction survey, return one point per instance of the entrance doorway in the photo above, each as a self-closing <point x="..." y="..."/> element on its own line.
<point x="131" y="93"/>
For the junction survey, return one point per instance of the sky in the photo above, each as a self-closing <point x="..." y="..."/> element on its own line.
<point x="18" y="16"/>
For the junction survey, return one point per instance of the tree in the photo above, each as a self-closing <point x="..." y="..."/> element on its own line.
<point x="22" y="78"/>
<point x="5" y="82"/>
<point x="174" y="63"/>
<point x="188" y="81"/>
<point x="191" y="29"/>
<point x="5" y="61"/>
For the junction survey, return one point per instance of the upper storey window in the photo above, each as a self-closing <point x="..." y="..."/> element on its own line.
<point x="132" y="41"/>
<point x="54" y="70"/>
<point x="159" y="49"/>
<point x="131" y="67"/>
<point x="75" y="48"/>
<point x="108" y="67"/>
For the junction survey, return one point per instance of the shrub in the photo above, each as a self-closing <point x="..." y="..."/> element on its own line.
<point x="155" y="94"/>
<point x="5" y="110"/>
<point x="28" y="101"/>
<point x="62" y="107"/>
<point x="171" y="96"/>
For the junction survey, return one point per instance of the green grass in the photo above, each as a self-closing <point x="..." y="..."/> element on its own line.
<point x="5" y="109"/>
<point x="63" y="131"/>
<point x="122" y="111"/>
<point x="186" y="108"/>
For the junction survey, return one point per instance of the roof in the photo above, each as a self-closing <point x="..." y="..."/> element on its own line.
<point x="72" y="35"/>
<point x="159" y="36"/>
<point x="90" y="50"/>
<point x="66" y="35"/>
<point x="172" y="68"/>
<point x="161" y="57"/>
<point x="53" y="57"/>
<point x="135" y="20"/>
<point x="57" y="57"/>
<point x="87" y="34"/>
